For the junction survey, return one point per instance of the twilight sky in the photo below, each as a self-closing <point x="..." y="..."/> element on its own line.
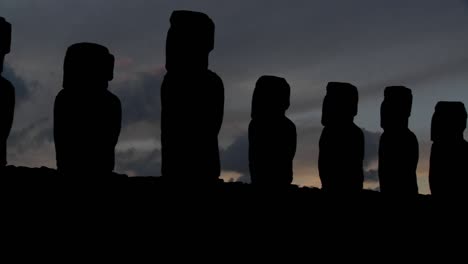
<point x="371" y="43"/>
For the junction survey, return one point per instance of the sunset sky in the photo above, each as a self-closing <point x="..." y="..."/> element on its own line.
<point x="422" y="44"/>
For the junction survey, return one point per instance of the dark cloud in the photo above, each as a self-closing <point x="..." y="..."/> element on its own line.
<point x="139" y="163"/>
<point x="235" y="157"/>
<point x="371" y="176"/>
<point x="45" y="135"/>
<point x="372" y="140"/>
<point x="245" y="178"/>
<point x="32" y="145"/>
<point x="31" y="137"/>
<point x="140" y="98"/>
<point x="371" y="157"/>
<point x="22" y="88"/>
<point x="141" y="102"/>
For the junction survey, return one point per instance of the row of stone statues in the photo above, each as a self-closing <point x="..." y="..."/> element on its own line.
<point x="87" y="122"/>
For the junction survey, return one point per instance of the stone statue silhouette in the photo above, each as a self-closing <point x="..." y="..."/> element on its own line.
<point x="448" y="173"/>
<point x="192" y="101"/>
<point x="341" y="147"/>
<point x="7" y="93"/>
<point x="399" y="148"/>
<point x="87" y="116"/>
<point x="272" y="136"/>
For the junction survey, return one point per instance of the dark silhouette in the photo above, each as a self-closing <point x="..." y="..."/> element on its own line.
<point x="341" y="148"/>
<point x="272" y="136"/>
<point x="398" y="149"/>
<point x="87" y="117"/>
<point x="192" y="101"/>
<point x="448" y="173"/>
<point x="7" y="93"/>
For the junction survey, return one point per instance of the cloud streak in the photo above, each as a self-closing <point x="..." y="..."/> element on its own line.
<point x="22" y="88"/>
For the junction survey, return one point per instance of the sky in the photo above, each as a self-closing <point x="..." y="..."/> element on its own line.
<point x="371" y="43"/>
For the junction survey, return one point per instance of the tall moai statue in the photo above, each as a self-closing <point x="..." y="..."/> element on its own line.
<point x="192" y="101"/>
<point x="399" y="148"/>
<point x="272" y="136"/>
<point x="341" y="147"/>
<point x="87" y="116"/>
<point x="448" y="173"/>
<point x="7" y="93"/>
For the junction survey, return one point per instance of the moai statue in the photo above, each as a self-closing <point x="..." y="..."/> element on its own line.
<point x="448" y="173"/>
<point x="272" y="136"/>
<point x="7" y="93"/>
<point x="341" y="147"/>
<point x="398" y="149"/>
<point x="87" y="117"/>
<point x="192" y="101"/>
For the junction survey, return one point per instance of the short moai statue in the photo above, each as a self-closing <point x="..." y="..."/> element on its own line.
<point x="272" y="135"/>
<point x="448" y="172"/>
<point x="398" y="148"/>
<point x="87" y="116"/>
<point x="341" y="147"/>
